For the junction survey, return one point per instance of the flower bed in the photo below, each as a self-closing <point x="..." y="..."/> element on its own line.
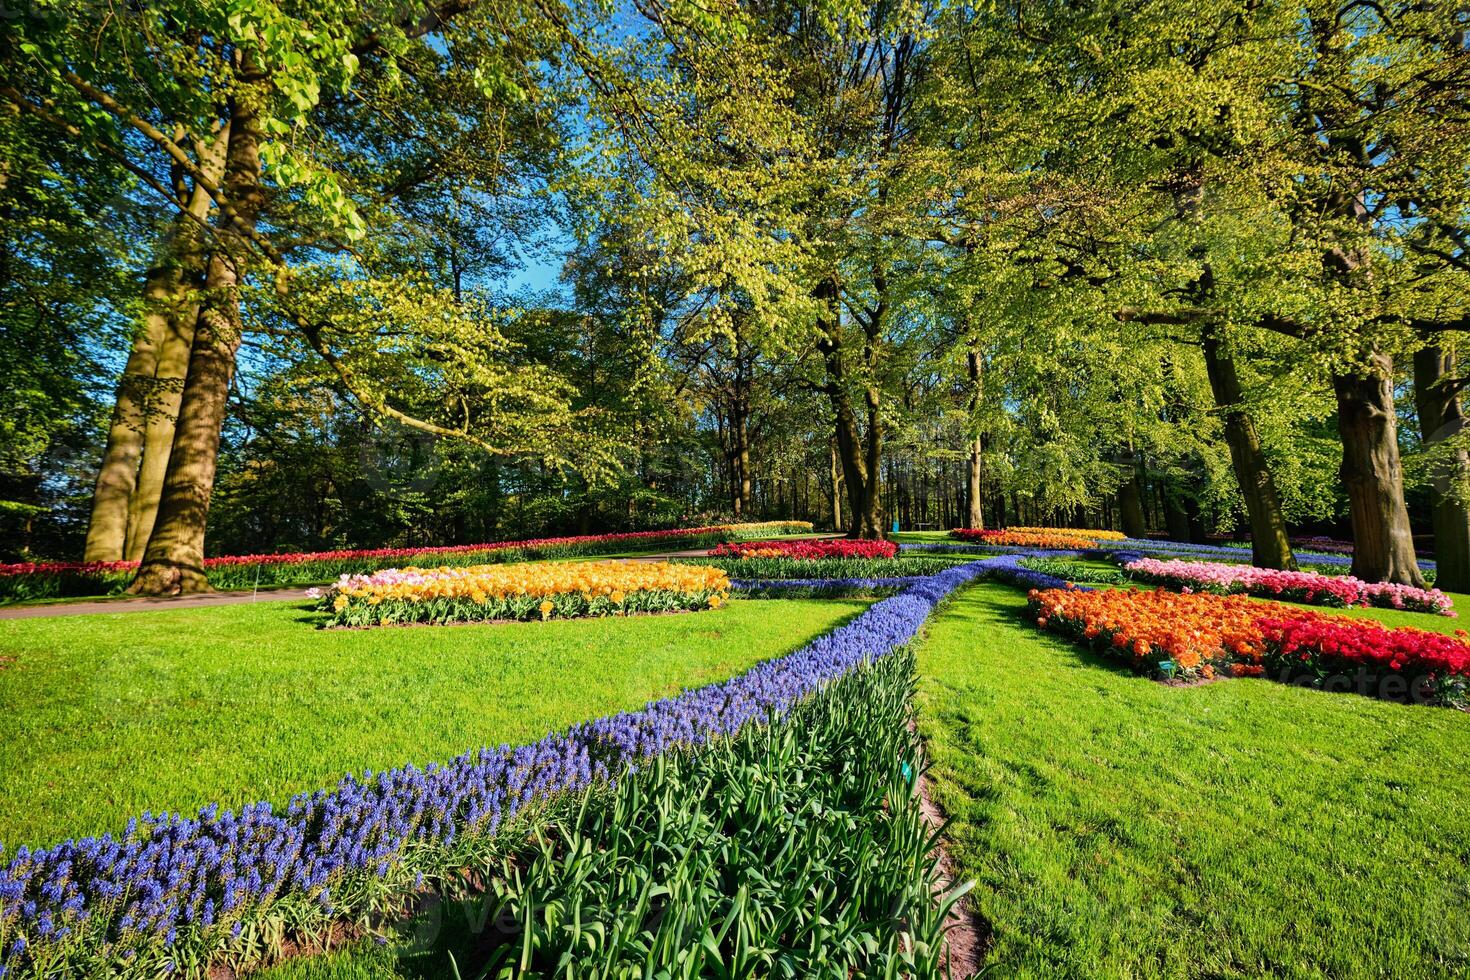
<point x="1359" y="654"/>
<point x="826" y="548"/>
<point x="1307" y="542"/>
<point x="1070" y="570"/>
<point x="1193" y="634"/>
<point x="38" y="580"/>
<point x="1200" y="634"/>
<point x="825" y="568"/>
<point x="479" y="593"/>
<point x="1074" y="532"/>
<point x="824" y="588"/>
<point x="1066" y="540"/>
<point x="1308" y="587"/>
<point x="811" y="876"/>
<point x="1138" y="548"/>
<point x="208" y="883"/>
<point x="1018" y="570"/>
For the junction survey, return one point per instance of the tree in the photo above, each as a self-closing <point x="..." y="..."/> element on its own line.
<point x="258" y="76"/>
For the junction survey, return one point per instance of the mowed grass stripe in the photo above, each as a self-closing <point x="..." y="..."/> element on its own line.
<point x="110" y="715"/>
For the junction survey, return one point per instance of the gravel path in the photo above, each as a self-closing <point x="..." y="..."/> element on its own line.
<point x="121" y="604"/>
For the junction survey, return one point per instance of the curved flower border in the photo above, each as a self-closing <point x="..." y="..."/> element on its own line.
<point x="168" y="873"/>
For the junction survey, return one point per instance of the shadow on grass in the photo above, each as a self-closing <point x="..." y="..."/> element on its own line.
<point x="1084" y="656"/>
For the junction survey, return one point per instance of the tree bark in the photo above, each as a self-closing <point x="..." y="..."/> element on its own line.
<point x="173" y="562"/>
<point x="1176" y="515"/>
<point x="107" y="532"/>
<point x="173" y="357"/>
<point x="130" y="477"/>
<point x="836" y="488"/>
<point x="1130" y="506"/>
<point x="862" y="480"/>
<point x="742" y="453"/>
<point x="1383" y="543"/>
<point x="1442" y="417"/>
<point x="974" y="476"/>
<point x="1269" y="545"/>
<point x="162" y="411"/>
<point x="872" y="523"/>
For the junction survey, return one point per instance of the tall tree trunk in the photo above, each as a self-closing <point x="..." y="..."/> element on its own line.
<point x="107" y="533"/>
<point x="1269" y="545"/>
<point x="1130" y="506"/>
<point x="742" y="455"/>
<point x="975" y="472"/>
<point x="862" y="483"/>
<point x="173" y="355"/>
<point x="739" y="475"/>
<point x="162" y="413"/>
<point x="873" y="518"/>
<point x="872" y="523"/>
<point x="147" y="394"/>
<point x="1383" y="544"/>
<point x="836" y="487"/>
<point x="1442" y="417"/>
<point x="174" y="559"/>
<point x="1176" y="515"/>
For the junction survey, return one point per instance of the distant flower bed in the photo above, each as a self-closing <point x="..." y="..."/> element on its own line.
<point x="1198" y="635"/>
<point x="1308" y="587"/>
<point x="830" y="548"/>
<point x="1308" y="542"/>
<point x="814" y="568"/>
<point x="1320" y="542"/>
<point x="1075" y="532"/>
<point x="1059" y="540"/>
<point x="37" y="580"/>
<point x="479" y="593"/>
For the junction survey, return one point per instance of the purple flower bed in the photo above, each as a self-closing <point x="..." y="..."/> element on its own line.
<point x="1227" y="553"/>
<point x="168" y="874"/>
<point x="1135" y="548"/>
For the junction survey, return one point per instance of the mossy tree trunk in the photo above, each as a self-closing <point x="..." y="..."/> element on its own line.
<point x="173" y="561"/>
<point x="140" y="436"/>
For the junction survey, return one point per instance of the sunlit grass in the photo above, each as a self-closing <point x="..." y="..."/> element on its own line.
<point x="108" y="715"/>
<point x="1122" y="828"/>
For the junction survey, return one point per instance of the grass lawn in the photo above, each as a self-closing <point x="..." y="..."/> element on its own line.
<point x="1121" y="828"/>
<point x="108" y="715"/>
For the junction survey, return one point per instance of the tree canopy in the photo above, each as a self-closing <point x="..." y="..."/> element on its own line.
<point x="1193" y="269"/>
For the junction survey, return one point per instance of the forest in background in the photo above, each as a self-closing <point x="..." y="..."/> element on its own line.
<point x="1187" y="269"/>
